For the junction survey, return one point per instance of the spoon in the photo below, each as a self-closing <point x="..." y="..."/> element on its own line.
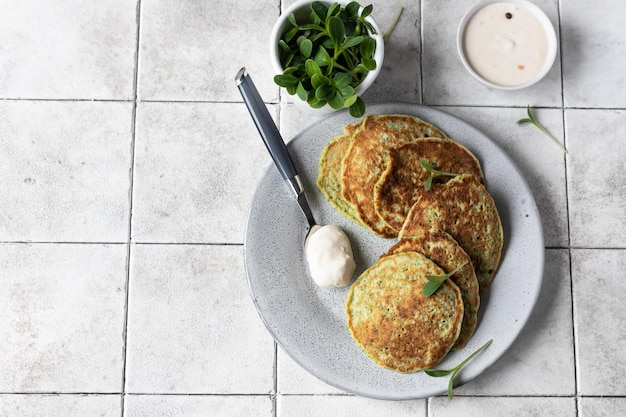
<point x="273" y="141"/>
<point x="327" y="248"/>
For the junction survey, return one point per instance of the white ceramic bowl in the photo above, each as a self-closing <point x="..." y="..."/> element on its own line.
<point x="544" y="22"/>
<point x="301" y="9"/>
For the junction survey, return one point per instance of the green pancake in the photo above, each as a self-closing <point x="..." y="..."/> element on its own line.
<point x="394" y="323"/>
<point x="442" y="249"/>
<point x="402" y="182"/>
<point x="463" y="208"/>
<point x="364" y="162"/>
<point x="330" y="169"/>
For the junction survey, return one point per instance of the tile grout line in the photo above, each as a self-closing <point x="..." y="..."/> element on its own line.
<point x="442" y="105"/>
<point x="130" y="208"/>
<point x="274" y="396"/>
<point x="567" y="211"/>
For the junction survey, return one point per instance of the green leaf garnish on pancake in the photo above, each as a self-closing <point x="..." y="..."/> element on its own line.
<point x="454" y="371"/>
<point x="434" y="282"/>
<point x="433" y="174"/>
<point x="532" y="120"/>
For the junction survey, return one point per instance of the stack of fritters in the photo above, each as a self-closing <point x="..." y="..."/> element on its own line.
<point x="372" y="174"/>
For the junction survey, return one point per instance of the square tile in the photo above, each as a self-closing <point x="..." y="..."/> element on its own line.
<point x="293" y="379"/>
<point x="541" y="361"/>
<point x="34" y="405"/>
<point x="540" y="161"/>
<point x="346" y="406"/>
<point x="192" y="50"/>
<point x="294" y="119"/>
<point x="502" y="406"/>
<point x="400" y="76"/>
<point x="597" y="191"/>
<point x="64" y="170"/>
<point x="599" y="314"/>
<point x="196" y="169"/>
<point x="601" y="407"/>
<point x="593" y="59"/>
<point x="447" y="82"/>
<point x="63" y="317"/>
<point x="197" y="406"/>
<point x="192" y="327"/>
<point x="70" y="49"/>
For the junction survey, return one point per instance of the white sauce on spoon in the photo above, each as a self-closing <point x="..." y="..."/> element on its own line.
<point x="329" y="255"/>
<point x="505" y="44"/>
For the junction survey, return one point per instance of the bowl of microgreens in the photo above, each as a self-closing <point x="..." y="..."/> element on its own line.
<point x="327" y="54"/>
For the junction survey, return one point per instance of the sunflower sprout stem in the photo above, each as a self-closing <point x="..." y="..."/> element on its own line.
<point x="454" y="371"/>
<point x="531" y="119"/>
<point x="393" y="24"/>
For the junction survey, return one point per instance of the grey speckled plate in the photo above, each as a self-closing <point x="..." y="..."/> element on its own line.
<point x="309" y="322"/>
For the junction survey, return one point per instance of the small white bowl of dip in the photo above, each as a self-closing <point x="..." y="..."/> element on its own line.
<point x="507" y="44"/>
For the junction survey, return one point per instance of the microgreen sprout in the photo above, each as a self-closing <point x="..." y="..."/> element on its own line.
<point x="454" y="371"/>
<point x="433" y="174"/>
<point x="531" y="119"/>
<point x="327" y="56"/>
<point x="435" y="281"/>
<point x="393" y="24"/>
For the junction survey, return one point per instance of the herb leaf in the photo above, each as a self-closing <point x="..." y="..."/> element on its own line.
<point x="531" y="119"/>
<point x="438" y="372"/>
<point x="320" y="10"/>
<point x="433" y="174"/>
<point x="435" y="281"/>
<point x="454" y="371"/>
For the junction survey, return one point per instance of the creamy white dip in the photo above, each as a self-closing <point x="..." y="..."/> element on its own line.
<point x="329" y="255"/>
<point x="505" y="44"/>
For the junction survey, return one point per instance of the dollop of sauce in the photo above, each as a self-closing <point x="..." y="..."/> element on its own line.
<point x="505" y="44"/>
<point x="329" y="255"/>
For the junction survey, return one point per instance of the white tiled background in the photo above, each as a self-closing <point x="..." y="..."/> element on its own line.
<point x="127" y="166"/>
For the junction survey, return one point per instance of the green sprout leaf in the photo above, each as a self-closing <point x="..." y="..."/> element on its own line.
<point x="438" y="372"/>
<point x="352" y="8"/>
<point x="358" y="108"/>
<point x="322" y="57"/>
<point x="333" y="10"/>
<point x="306" y="48"/>
<point x="325" y="92"/>
<point x="368" y="47"/>
<point x="454" y="371"/>
<point x="531" y="119"/>
<point x="433" y="174"/>
<point x="367" y="10"/>
<point x="337" y="30"/>
<point x="320" y="10"/>
<point x="286" y="80"/>
<point x="302" y="93"/>
<point x="336" y="101"/>
<point x="353" y="41"/>
<point x="435" y="281"/>
<point x="312" y="68"/>
<point x="342" y="80"/>
<point x="318" y="80"/>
